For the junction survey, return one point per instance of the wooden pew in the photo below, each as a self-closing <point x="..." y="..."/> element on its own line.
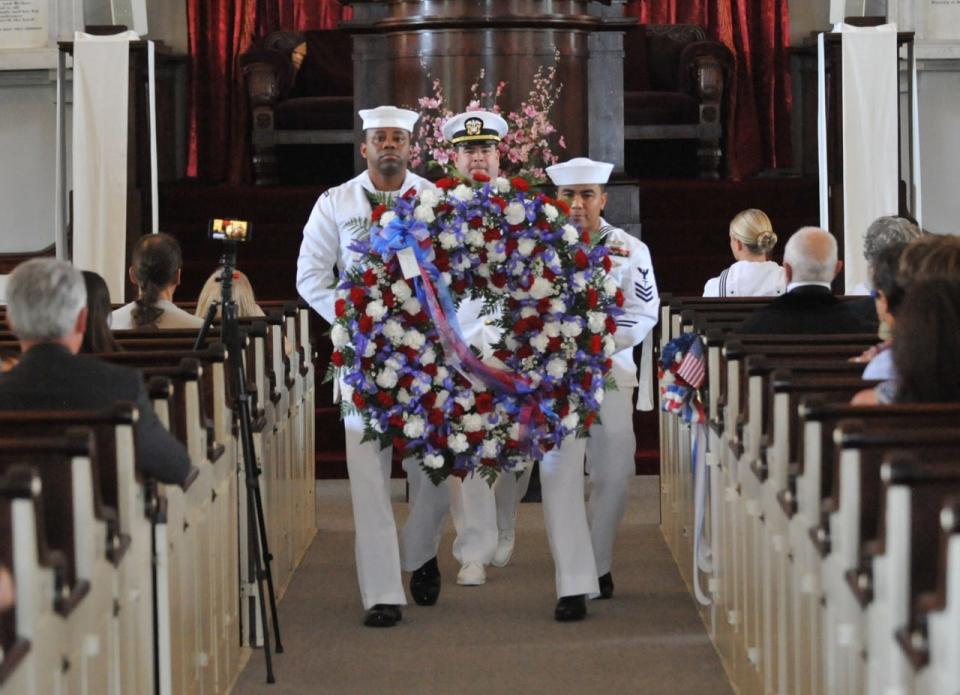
<point x="727" y="501"/>
<point x="82" y="596"/>
<point x="931" y="639"/>
<point x="122" y="490"/>
<point x="737" y="450"/>
<point x="904" y="556"/>
<point x="17" y="659"/>
<point x="853" y="516"/>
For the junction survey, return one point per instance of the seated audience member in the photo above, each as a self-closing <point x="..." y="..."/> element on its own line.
<point x="751" y="240"/>
<point x="242" y="295"/>
<point x="927" y="342"/>
<point x="155" y="270"/>
<point x="887" y="295"/>
<point x="47" y="310"/>
<point x="883" y="232"/>
<point x="8" y="360"/>
<point x="8" y="593"/>
<point x="97" y="338"/>
<point x="930" y="257"/>
<point x="809" y="306"/>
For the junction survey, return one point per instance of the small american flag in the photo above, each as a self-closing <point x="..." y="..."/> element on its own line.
<point x="692" y="368"/>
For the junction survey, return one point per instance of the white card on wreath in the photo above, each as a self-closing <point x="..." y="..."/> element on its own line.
<point x="408" y="263"/>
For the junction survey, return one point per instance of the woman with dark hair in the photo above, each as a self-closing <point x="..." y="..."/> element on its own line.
<point x="928" y="342"/>
<point x="155" y="270"/>
<point x="97" y="336"/>
<point x="887" y="295"/>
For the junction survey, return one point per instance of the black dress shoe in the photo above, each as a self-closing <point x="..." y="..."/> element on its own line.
<point x="425" y="583"/>
<point x="606" y="586"/>
<point x="571" y="608"/>
<point x="382" y="615"/>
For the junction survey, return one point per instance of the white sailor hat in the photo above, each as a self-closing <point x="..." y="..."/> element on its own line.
<point x="473" y="127"/>
<point x="580" y="171"/>
<point x="388" y="117"/>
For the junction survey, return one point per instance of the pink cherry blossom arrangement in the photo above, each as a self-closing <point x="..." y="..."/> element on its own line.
<point x="398" y="347"/>
<point x="530" y="143"/>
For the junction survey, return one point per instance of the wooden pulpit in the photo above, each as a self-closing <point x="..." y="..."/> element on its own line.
<point x="400" y="47"/>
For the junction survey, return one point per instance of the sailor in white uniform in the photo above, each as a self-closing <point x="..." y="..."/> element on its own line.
<point x="484" y="518"/>
<point x="751" y="240"/>
<point x="338" y="216"/>
<point x="611" y="448"/>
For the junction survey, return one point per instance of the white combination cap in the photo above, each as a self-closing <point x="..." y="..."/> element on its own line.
<point x="388" y="117"/>
<point x="580" y="171"/>
<point x="474" y="126"/>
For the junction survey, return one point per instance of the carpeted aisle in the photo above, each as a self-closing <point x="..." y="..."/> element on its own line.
<point x="496" y="638"/>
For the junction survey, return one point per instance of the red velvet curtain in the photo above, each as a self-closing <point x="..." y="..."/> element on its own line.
<point x="757" y="31"/>
<point x="219" y="32"/>
<point x="758" y="34"/>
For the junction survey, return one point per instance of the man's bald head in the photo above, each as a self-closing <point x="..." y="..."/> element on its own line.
<point x="811" y="256"/>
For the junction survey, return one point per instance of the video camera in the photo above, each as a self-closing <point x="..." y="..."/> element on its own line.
<point x="230" y="230"/>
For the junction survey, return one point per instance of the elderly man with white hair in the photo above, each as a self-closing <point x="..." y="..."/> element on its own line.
<point x="809" y="305"/>
<point x="47" y="310"/>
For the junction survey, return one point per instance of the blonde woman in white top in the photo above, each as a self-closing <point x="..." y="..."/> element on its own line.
<point x="242" y="295"/>
<point x="751" y="240"/>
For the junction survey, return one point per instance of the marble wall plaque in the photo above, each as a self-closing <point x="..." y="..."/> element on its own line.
<point x="942" y="20"/>
<point x="23" y="24"/>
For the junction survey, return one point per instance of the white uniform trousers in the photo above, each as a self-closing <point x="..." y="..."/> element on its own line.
<point x="565" y="516"/>
<point x="377" y="547"/>
<point x="480" y="513"/>
<point x="509" y="491"/>
<point x="473" y="507"/>
<point x="429" y="504"/>
<point x="611" y="451"/>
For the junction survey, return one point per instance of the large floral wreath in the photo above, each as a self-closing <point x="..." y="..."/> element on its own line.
<point x="400" y="351"/>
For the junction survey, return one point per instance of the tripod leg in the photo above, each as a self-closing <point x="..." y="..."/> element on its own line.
<point x="258" y="567"/>
<point x="254" y="487"/>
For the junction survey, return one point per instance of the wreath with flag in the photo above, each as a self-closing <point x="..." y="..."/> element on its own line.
<point x="681" y="372"/>
<point x="400" y="351"/>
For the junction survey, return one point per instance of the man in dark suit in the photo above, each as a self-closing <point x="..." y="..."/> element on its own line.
<point x="809" y="305"/>
<point x="47" y="309"/>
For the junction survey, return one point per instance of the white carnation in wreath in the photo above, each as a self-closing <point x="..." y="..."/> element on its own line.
<point x="458" y="443"/>
<point x="515" y="213"/>
<point x="463" y="193"/>
<point x="376" y="310"/>
<point x="424" y="213"/>
<point x="401" y="290"/>
<point x="596" y="321"/>
<point x="433" y="461"/>
<point x="429" y="197"/>
<point x="339" y="336"/>
<point x="541" y="288"/>
<point x="414" y="427"/>
<point x="387" y="379"/>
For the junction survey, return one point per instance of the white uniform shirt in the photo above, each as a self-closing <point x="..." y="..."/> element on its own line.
<point x="748" y="279"/>
<point x="338" y="215"/>
<point x="633" y="271"/>
<point x="172" y="317"/>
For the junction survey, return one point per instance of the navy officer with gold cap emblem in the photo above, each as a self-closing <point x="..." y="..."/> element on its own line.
<point x="475" y="136"/>
<point x="485" y="519"/>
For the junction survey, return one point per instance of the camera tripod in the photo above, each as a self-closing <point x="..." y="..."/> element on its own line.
<point x="256" y="532"/>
